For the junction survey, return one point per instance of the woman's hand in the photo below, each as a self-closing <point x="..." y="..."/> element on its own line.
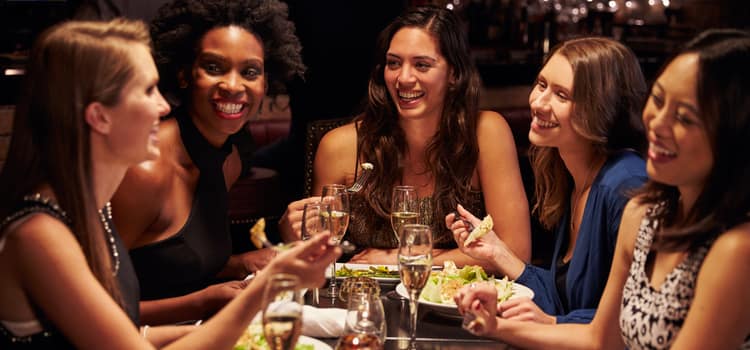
<point x="376" y="256"/>
<point x="214" y="297"/>
<point x="290" y="224"/>
<point x="523" y="309"/>
<point x="483" y="248"/>
<point x="307" y="260"/>
<point x="257" y="259"/>
<point x="477" y="302"/>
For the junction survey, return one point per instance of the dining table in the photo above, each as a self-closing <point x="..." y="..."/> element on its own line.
<point x="434" y="331"/>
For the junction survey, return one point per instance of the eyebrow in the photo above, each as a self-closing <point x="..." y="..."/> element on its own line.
<point x="209" y="55"/>
<point x="683" y="104"/>
<point x="422" y="57"/>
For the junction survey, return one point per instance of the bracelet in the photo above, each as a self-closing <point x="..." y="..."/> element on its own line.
<point x="144" y="331"/>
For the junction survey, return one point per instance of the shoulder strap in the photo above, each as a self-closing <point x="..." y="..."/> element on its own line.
<point x="33" y="204"/>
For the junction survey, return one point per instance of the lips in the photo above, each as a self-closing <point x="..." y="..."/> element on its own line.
<point x="409" y="98"/>
<point x="229" y="110"/>
<point x="539" y="123"/>
<point x="659" y="153"/>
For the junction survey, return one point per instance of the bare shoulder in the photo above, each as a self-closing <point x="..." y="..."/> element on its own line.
<point x="733" y="246"/>
<point x="41" y="235"/>
<point x="492" y="127"/>
<point x="343" y="136"/>
<point x="632" y="215"/>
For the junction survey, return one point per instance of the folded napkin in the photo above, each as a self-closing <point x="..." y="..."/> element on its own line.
<point x="323" y="322"/>
<point x="319" y="322"/>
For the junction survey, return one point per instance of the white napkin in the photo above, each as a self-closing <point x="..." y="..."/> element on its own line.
<point x="323" y="322"/>
<point x="318" y="322"/>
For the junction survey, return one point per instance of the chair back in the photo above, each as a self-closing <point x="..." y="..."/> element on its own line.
<point x="315" y="131"/>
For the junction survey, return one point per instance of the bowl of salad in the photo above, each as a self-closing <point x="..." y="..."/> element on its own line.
<point x="437" y="295"/>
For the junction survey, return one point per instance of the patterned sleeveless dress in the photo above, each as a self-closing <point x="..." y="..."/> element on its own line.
<point x="649" y="318"/>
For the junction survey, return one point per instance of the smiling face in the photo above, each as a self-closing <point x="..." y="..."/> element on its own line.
<point x="552" y="106"/>
<point x="136" y="114"/>
<point x="416" y="74"/>
<point x="228" y="82"/>
<point x="679" y="151"/>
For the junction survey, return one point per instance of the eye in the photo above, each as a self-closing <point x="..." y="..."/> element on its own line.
<point x="541" y="84"/>
<point x="393" y="64"/>
<point x="562" y="95"/>
<point x="423" y="66"/>
<point x="150" y="90"/>
<point x="212" y="68"/>
<point x="252" y="73"/>
<point x="657" y="100"/>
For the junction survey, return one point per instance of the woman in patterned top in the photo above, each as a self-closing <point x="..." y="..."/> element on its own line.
<point x="679" y="276"/>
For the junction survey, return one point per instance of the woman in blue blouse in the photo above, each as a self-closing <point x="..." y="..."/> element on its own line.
<point x="585" y="135"/>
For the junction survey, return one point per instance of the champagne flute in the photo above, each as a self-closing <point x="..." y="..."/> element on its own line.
<point x="404" y="208"/>
<point x="337" y="198"/>
<point x="282" y="315"/>
<point x="414" y="266"/>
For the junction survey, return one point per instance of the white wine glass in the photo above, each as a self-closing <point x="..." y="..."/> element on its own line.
<point x="337" y="198"/>
<point x="315" y="219"/>
<point x="404" y="208"/>
<point x="414" y="266"/>
<point x="282" y="314"/>
<point x="365" y="324"/>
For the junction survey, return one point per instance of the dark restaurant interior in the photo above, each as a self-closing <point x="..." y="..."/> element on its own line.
<point x="508" y="38"/>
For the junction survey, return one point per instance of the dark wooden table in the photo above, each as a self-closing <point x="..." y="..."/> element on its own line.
<point x="434" y="332"/>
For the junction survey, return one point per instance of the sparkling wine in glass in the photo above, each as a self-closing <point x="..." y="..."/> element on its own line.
<point x="282" y="315"/>
<point x="315" y="219"/>
<point x="414" y="265"/>
<point x="404" y="208"/>
<point x="337" y="198"/>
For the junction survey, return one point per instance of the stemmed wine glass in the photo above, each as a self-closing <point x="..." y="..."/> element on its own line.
<point x="315" y="219"/>
<point x="404" y="208"/>
<point x="365" y="324"/>
<point x="414" y="266"/>
<point x="337" y="197"/>
<point x="282" y="315"/>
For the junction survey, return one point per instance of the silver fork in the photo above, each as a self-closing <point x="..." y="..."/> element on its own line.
<point x="363" y="177"/>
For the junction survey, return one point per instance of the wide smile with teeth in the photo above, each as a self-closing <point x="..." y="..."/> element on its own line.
<point x="545" y="123"/>
<point x="661" y="150"/>
<point x="410" y="95"/>
<point x="228" y="107"/>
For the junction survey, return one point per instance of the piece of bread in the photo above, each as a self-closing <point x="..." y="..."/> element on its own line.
<point x="481" y="230"/>
<point x="258" y="233"/>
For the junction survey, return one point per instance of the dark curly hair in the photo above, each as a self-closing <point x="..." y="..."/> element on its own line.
<point x="181" y="24"/>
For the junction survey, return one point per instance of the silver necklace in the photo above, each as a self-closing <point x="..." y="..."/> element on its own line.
<point x="105" y="216"/>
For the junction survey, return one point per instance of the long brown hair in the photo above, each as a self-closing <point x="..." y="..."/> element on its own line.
<point x="608" y="95"/>
<point x="723" y="85"/>
<point x="72" y="65"/>
<point x="452" y="153"/>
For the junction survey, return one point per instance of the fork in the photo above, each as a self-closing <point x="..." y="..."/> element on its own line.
<point x="360" y="182"/>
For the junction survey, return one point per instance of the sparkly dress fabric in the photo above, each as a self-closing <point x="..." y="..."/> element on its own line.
<point x="48" y="336"/>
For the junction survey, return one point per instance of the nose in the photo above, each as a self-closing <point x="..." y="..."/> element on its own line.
<point x="162" y="104"/>
<point x="657" y="121"/>
<point x="405" y="76"/>
<point x="232" y="85"/>
<point x="539" y="101"/>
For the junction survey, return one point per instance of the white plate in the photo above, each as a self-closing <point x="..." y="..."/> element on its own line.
<point x="317" y="344"/>
<point x="395" y="278"/>
<point x="451" y="311"/>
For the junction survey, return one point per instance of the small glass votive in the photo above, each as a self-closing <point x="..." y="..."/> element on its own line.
<point x="360" y="284"/>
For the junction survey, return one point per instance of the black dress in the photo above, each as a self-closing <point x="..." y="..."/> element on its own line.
<point x="50" y="337"/>
<point x="190" y="260"/>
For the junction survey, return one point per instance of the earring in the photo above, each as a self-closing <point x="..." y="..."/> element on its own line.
<point x="183" y="84"/>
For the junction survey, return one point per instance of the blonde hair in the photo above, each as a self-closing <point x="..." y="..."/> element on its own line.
<point x="72" y="65"/>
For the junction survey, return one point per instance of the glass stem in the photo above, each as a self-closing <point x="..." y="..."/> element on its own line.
<point x="413" y="314"/>
<point x="332" y="286"/>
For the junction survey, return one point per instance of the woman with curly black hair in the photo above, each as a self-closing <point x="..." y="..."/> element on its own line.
<point x="217" y="59"/>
